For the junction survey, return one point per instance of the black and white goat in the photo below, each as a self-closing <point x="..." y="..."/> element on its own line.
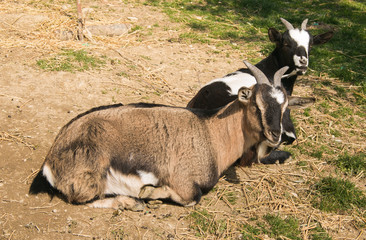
<point x="292" y="49"/>
<point x="147" y="151"/>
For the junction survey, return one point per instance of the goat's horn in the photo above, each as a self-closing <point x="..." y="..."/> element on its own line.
<point x="278" y="75"/>
<point x="258" y="74"/>
<point x="287" y="24"/>
<point x="303" y="24"/>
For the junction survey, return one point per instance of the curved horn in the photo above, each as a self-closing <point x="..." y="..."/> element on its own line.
<point x="287" y="24"/>
<point x="303" y="24"/>
<point x="278" y="75"/>
<point x="258" y="74"/>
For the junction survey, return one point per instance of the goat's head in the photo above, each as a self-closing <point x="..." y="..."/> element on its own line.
<point x="265" y="104"/>
<point x="294" y="45"/>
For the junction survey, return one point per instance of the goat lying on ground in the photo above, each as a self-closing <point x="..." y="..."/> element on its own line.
<point x="292" y="49"/>
<point x="151" y="151"/>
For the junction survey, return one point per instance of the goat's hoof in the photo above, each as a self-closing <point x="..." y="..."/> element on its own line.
<point x="191" y="204"/>
<point x="146" y="191"/>
<point x="138" y="207"/>
<point x="154" y="204"/>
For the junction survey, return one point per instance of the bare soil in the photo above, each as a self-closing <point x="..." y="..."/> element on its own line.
<point x="146" y="65"/>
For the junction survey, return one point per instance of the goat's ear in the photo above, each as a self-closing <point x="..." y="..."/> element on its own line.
<point x="300" y="102"/>
<point x="274" y="35"/>
<point x="244" y="94"/>
<point x="322" y="38"/>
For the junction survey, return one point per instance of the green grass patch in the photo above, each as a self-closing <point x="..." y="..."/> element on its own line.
<point x="70" y="61"/>
<point x="287" y="227"/>
<point x="276" y="227"/>
<point x="353" y="165"/>
<point x="302" y="163"/>
<point x="192" y="37"/>
<point x="205" y="224"/>
<point x="341" y="91"/>
<point x="342" y="112"/>
<point x="335" y="133"/>
<point x="337" y="195"/>
<point x="307" y="112"/>
<point x="324" y="107"/>
<point x="231" y="197"/>
<point x="317" y="154"/>
<point x="135" y="28"/>
<point x="273" y="226"/>
<point x="318" y="233"/>
<point x="250" y="233"/>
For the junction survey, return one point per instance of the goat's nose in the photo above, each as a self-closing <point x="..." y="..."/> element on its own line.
<point x="276" y="135"/>
<point x="303" y="61"/>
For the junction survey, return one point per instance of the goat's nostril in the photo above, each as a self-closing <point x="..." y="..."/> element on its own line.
<point x="303" y="61"/>
<point x="276" y="134"/>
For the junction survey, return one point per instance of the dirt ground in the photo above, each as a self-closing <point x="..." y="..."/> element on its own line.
<point x="35" y="104"/>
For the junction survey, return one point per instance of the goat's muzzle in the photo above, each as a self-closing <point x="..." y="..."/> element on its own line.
<point x="301" y="70"/>
<point x="273" y="138"/>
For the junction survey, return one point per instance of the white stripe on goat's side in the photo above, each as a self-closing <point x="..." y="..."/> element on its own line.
<point x="128" y="185"/>
<point x="236" y="81"/>
<point x="48" y="174"/>
<point x="148" y="178"/>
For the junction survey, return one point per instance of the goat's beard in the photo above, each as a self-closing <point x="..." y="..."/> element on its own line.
<point x="301" y="70"/>
<point x="272" y="144"/>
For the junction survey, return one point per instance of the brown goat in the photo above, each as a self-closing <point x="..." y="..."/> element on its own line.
<point x="151" y="151"/>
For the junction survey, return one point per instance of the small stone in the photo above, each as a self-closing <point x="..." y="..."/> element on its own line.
<point x="109" y="30"/>
<point x="134" y="19"/>
<point x="294" y="194"/>
<point x="64" y="35"/>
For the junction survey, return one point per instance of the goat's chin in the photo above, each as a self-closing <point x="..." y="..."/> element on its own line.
<point x="301" y="70"/>
<point x="271" y="143"/>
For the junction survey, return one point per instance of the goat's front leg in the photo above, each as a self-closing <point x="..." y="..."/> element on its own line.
<point x="274" y="156"/>
<point x="262" y="151"/>
<point x="164" y="192"/>
<point x="118" y="202"/>
<point x="249" y="157"/>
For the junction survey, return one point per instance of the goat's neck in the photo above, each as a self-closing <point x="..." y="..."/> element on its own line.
<point x="225" y="130"/>
<point x="271" y="64"/>
<point x="288" y="83"/>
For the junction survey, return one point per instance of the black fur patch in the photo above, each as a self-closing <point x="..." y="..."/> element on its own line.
<point x="149" y="105"/>
<point x="242" y="70"/>
<point x="212" y="96"/>
<point x="202" y="113"/>
<point x="275" y="156"/>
